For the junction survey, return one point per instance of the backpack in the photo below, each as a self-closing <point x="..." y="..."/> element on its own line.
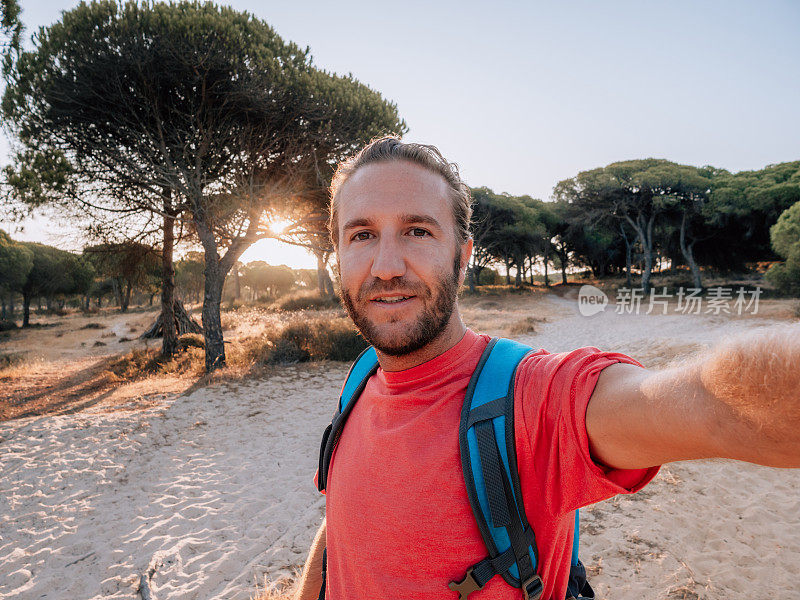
<point x="488" y="459"/>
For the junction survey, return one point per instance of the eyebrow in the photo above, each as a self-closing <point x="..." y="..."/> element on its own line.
<point x="406" y="218"/>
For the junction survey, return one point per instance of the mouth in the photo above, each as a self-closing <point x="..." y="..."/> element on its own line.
<point x="391" y="299"/>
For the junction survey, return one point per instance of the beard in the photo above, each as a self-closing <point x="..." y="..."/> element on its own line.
<point x="439" y="304"/>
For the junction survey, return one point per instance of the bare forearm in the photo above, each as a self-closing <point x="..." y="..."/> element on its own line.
<point x="757" y="377"/>
<point x="740" y="400"/>
<point x="311" y="579"/>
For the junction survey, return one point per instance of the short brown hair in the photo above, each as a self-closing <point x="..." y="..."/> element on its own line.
<point x="390" y="148"/>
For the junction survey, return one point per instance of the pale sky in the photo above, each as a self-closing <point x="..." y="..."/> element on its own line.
<point x="524" y="94"/>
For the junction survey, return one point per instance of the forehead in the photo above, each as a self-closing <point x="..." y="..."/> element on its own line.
<point x="394" y="188"/>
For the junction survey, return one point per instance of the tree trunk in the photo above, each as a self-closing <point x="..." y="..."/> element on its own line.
<point x="324" y="282"/>
<point x="212" y="322"/>
<point x="181" y="323"/>
<point x="508" y="272"/>
<point x="169" y="340"/>
<point x="628" y="256"/>
<point x="530" y="270"/>
<point x="4" y="314"/>
<point x="546" y="260"/>
<point x="518" y="277"/>
<point x="645" y="233"/>
<point x="26" y="309"/>
<point x="126" y="297"/>
<point x="563" y="258"/>
<point x="237" y="287"/>
<point x="688" y="254"/>
<point x="471" y="279"/>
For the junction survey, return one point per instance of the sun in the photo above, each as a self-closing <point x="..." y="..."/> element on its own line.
<point x="278" y="226"/>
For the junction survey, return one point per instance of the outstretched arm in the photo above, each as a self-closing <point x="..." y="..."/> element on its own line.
<point x="740" y="400"/>
<point x="311" y="579"/>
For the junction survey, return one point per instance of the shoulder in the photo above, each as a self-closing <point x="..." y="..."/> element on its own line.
<point x="553" y="389"/>
<point x="541" y="369"/>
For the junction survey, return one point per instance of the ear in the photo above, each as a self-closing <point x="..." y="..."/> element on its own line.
<point x="466" y="254"/>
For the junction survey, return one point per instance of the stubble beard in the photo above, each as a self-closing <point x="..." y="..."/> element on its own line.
<point x="428" y="326"/>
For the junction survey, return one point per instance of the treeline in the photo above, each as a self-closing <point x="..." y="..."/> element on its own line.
<point x="157" y="124"/>
<point x="627" y="216"/>
<point x="183" y="120"/>
<point x="36" y="273"/>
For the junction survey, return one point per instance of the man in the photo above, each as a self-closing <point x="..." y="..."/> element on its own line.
<point x="588" y="424"/>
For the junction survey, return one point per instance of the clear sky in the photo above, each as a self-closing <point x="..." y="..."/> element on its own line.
<point x="524" y="94"/>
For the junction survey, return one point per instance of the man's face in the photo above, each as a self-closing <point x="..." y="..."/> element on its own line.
<point x="399" y="258"/>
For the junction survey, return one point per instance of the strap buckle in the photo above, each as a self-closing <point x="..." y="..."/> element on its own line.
<point x="466" y="586"/>
<point x="532" y="588"/>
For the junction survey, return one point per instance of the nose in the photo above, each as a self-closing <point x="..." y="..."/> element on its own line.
<point x="389" y="261"/>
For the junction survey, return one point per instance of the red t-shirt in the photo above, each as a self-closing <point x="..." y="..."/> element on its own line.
<point x="399" y="523"/>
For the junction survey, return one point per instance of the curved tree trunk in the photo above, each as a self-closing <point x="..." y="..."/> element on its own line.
<point x="645" y="232"/>
<point x="688" y="254"/>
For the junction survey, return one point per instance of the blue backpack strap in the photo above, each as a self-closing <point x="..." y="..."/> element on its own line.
<point x="362" y="369"/>
<point x="489" y="462"/>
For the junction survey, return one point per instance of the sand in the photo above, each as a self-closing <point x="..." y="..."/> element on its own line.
<point x="215" y="488"/>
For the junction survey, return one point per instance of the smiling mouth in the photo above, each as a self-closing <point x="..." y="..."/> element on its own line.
<point x="392" y="299"/>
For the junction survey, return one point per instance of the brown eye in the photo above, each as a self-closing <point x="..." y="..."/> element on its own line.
<point x="419" y="232"/>
<point x="361" y="236"/>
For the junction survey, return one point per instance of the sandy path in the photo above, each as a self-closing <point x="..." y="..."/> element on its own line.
<point x="218" y="485"/>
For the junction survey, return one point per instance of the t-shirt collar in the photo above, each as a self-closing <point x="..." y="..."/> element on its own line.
<point x="435" y="365"/>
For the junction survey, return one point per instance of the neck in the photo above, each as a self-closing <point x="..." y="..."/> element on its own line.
<point x="449" y="337"/>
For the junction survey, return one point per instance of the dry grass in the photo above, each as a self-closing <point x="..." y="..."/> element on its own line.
<point x="524" y="326"/>
<point x="501" y="310"/>
<point x="301" y="339"/>
<point x="280" y="589"/>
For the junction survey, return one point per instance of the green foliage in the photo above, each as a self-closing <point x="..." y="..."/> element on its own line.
<point x="507" y="229"/>
<point x="745" y="205"/>
<point x="55" y="271"/>
<point x="10" y="33"/>
<point x="132" y="107"/>
<point x="16" y="262"/>
<point x="785" y="235"/>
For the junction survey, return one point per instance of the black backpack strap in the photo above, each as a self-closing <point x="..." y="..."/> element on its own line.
<point x="489" y="462"/>
<point x="362" y="369"/>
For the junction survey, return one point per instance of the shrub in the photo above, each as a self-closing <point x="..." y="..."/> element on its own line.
<point x="7" y="325"/>
<point x="305" y="300"/>
<point x="524" y="326"/>
<point x="191" y="340"/>
<point x="142" y="362"/>
<point x="309" y="340"/>
<point x="9" y="359"/>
